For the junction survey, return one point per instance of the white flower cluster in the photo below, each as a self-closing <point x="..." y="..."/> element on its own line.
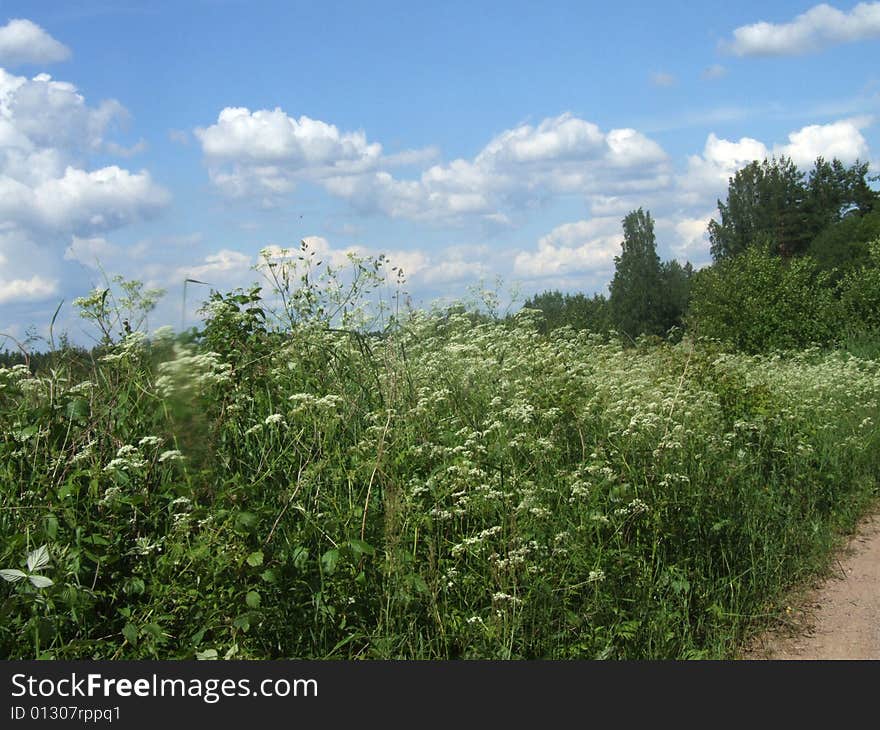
<point x="190" y="372"/>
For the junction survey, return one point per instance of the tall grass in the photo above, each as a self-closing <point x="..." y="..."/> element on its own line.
<point x="458" y="487"/>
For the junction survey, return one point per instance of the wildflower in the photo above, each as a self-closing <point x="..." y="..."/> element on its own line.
<point x="170" y="455"/>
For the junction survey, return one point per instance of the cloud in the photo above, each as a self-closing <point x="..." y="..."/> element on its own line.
<point x="122" y="151"/>
<point x="721" y="158"/>
<point x="224" y="265"/>
<point x="685" y="236"/>
<point x="267" y="152"/>
<point x="411" y="157"/>
<point x="586" y="246"/>
<point x="90" y="252"/>
<point x="715" y="71"/>
<point x="79" y="201"/>
<point x="27" y="290"/>
<point x="49" y="196"/>
<point x="22" y="41"/>
<point x="842" y="139"/>
<point x="518" y="169"/>
<point x="178" y="136"/>
<point x="47" y="134"/>
<point x="264" y="154"/>
<point x="818" y="28"/>
<point x="663" y="79"/>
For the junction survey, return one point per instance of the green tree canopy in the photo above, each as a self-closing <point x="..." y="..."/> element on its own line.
<point x="574" y="310"/>
<point x="774" y="205"/>
<point x="636" y="286"/>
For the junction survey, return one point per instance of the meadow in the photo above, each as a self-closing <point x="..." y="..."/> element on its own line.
<point x="288" y="483"/>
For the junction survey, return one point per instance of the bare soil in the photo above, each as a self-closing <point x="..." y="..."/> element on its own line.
<point x="838" y="618"/>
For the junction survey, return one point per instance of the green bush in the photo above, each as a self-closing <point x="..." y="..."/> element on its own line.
<point x="758" y="302"/>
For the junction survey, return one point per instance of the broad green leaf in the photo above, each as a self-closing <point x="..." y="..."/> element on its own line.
<point x="130" y="632"/>
<point x="246" y="520"/>
<point x="206" y="655"/>
<point x="361" y="548"/>
<point x="154" y="630"/>
<point x="269" y="576"/>
<point x="12" y="575"/>
<point x="27" y="432"/>
<point x="134" y="587"/>
<point x="39" y="558"/>
<point x="252" y="599"/>
<point x="255" y="559"/>
<point x="329" y="560"/>
<point x="418" y="583"/>
<point x="65" y="491"/>
<point x="300" y="557"/>
<point x="40" y="581"/>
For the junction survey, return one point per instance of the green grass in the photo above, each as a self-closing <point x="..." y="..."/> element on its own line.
<point x="457" y="488"/>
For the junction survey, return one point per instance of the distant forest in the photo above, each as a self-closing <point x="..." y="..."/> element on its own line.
<point x="795" y="263"/>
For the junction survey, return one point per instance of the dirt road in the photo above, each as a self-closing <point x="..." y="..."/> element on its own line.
<point x="841" y="618"/>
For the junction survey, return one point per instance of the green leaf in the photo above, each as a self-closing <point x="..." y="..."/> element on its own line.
<point x="329" y="560"/>
<point x="255" y="559"/>
<point x="78" y="410"/>
<point x="12" y="575"/>
<point x="39" y="558"/>
<point x="26" y="433"/>
<point x="269" y="576"/>
<point x="360" y="547"/>
<point x="206" y="655"/>
<point x="252" y="599"/>
<point x="130" y="632"/>
<point x="246" y="521"/>
<point x="134" y="586"/>
<point x="300" y="557"/>
<point x="40" y="581"/>
<point x="154" y="630"/>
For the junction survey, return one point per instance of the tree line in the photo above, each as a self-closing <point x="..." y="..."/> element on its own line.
<point x="795" y="262"/>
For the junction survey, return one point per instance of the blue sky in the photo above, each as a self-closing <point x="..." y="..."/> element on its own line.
<point x="465" y="141"/>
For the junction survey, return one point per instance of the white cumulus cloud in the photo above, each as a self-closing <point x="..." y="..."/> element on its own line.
<point x="23" y="41"/>
<point x="48" y="192"/>
<point x="268" y="151"/>
<point x="819" y="27"/>
<point x="517" y="169"/>
<point x="27" y="290"/>
<point x="586" y="246"/>
<point x="842" y="139"/>
<point x="264" y="154"/>
<point x="708" y="173"/>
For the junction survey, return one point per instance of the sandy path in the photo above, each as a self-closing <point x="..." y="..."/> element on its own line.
<point x="841" y="618"/>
